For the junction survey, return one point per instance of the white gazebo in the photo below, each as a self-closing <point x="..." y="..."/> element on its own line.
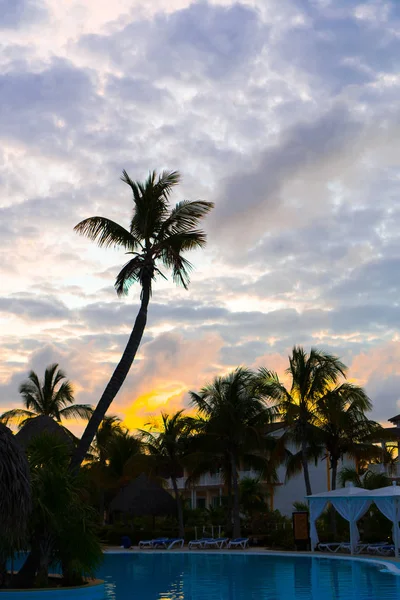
<point x="352" y="503"/>
<point x="387" y="500"/>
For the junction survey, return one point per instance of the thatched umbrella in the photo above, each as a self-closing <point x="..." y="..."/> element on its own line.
<point x="142" y="497"/>
<point x="44" y="424"/>
<point x="15" y="488"/>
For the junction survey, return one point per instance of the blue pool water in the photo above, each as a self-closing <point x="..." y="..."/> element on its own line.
<point x="214" y="576"/>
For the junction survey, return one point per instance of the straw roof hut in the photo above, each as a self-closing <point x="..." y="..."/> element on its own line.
<point x="43" y="424"/>
<point x="142" y="497"/>
<point x="15" y="488"/>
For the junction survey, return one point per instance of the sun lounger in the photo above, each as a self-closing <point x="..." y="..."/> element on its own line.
<point x="329" y="547"/>
<point x="239" y="543"/>
<point x="378" y="548"/>
<point x="341" y="547"/>
<point x="157" y="542"/>
<point x="385" y="550"/>
<point x="198" y="543"/>
<point x="174" y="542"/>
<point x="216" y="543"/>
<point x="345" y="547"/>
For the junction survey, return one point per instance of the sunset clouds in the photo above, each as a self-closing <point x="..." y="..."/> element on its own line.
<point x="285" y="114"/>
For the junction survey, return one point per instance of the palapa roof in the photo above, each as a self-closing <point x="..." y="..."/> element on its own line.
<point x="142" y="497"/>
<point x="43" y="424"/>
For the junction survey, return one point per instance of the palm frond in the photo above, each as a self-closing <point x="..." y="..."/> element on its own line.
<point x="64" y="395"/>
<point x="107" y="233"/>
<point x="82" y="411"/>
<point x="133" y="271"/>
<point x="16" y="415"/>
<point x="184" y="217"/>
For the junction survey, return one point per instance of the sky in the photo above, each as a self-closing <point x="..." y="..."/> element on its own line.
<point x="284" y="114"/>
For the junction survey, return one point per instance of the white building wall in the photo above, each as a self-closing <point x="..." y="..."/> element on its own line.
<point x="294" y="490"/>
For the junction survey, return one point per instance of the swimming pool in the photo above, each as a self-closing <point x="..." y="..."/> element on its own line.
<point x="217" y="576"/>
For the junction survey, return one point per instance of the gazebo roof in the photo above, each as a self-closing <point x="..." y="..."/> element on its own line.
<point x="142" y="497"/>
<point x="389" y="491"/>
<point x="350" y="490"/>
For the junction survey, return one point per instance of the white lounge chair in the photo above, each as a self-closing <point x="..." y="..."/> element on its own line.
<point x="174" y="542"/>
<point x="152" y="543"/>
<point x="239" y="543"/>
<point x="329" y="546"/>
<point x="385" y="550"/>
<point x="199" y="543"/>
<point x="216" y="543"/>
<point x="341" y="547"/>
<point x="380" y="548"/>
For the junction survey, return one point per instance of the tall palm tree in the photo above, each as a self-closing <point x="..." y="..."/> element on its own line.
<point x="234" y="431"/>
<point x="158" y="235"/>
<point x="52" y="397"/>
<point x="252" y="496"/>
<point x="312" y="375"/>
<point x="108" y="429"/>
<point x="345" y="428"/>
<point x="99" y="457"/>
<point x="168" y="444"/>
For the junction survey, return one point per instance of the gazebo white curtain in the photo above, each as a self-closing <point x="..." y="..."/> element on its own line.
<point x="317" y="506"/>
<point x="352" y="509"/>
<point x="389" y="507"/>
<point x="347" y="502"/>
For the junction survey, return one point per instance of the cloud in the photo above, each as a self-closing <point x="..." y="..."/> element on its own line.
<point x="29" y="308"/>
<point x="14" y="13"/>
<point x="284" y="114"/>
<point x="49" y="102"/>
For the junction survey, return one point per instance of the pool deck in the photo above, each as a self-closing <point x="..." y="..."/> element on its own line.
<point x="390" y="563"/>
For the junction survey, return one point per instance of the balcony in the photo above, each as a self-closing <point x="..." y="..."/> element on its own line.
<point x="211" y="480"/>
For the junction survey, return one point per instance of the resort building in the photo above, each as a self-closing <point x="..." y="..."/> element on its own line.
<point x="210" y="488"/>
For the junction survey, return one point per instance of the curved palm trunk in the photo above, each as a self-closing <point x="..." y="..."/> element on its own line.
<point x="334" y="466"/>
<point x="229" y="506"/>
<point x="116" y="381"/>
<point x="306" y="472"/>
<point x="236" y="506"/>
<point x="179" y="508"/>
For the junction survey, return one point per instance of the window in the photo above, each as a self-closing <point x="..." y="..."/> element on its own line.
<point x="200" y="502"/>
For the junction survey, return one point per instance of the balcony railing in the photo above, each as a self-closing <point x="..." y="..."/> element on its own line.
<point x="211" y="479"/>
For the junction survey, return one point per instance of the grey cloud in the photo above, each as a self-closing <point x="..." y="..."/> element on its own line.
<point x="202" y="39"/>
<point x="243" y="354"/>
<point x="116" y="314"/>
<point x="32" y="102"/>
<point x="36" y="309"/>
<point x="374" y="281"/>
<point x="248" y="201"/>
<point x="131" y="90"/>
<point x="16" y="13"/>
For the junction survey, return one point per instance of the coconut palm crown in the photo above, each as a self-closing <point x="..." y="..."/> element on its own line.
<point x="312" y="375"/>
<point x="234" y="430"/>
<point x="168" y="444"/>
<point x="156" y="238"/>
<point x="52" y="397"/>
